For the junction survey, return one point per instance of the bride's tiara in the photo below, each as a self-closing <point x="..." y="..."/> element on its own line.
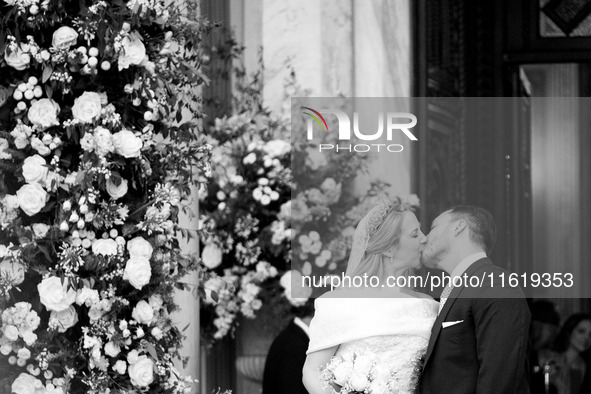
<point x="385" y="206"/>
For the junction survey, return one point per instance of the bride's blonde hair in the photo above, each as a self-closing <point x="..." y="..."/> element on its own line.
<point x="383" y="228"/>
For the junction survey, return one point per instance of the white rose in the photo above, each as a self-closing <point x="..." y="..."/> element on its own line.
<point x="87" y="296"/>
<point x="115" y="191"/>
<point x="105" y="247"/>
<point x="29" y="337"/>
<point x="66" y="318"/>
<point x="40" y="230"/>
<point x="112" y="349"/>
<point x="6" y="348"/>
<point x="4" y="251"/>
<point x="87" y="142"/>
<point x="212" y="285"/>
<point x="64" y="38"/>
<point x="103" y="141"/>
<point x="377" y="387"/>
<point x="285" y="280"/>
<point x="13" y="271"/>
<point x="120" y="367"/>
<point x="156" y="302"/>
<point x="24" y="353"/>
<point x="18" y="59"/>
<point x="133" y="51"/>
<point x="382" y="372"/>
<point x="342" y="372"/>
<point x="40" y="147"/>
<point x="31" y="198"/>
<point x="43" y="113"/>
<point x="133" y="356"/>
<point x="55" y="295"/>
<point x="156" y="333"/>
<point x="35" y="169"/>
<point x="141" y="373"/>
<point x="95" y="314"/>
<point x="143" y="313"/>
<point x="87" y="107"/>
<point x="359" y="382"/>
<point x="127" y="144"/>
<point x="363" y="364"/>
<point x="285" y="211"/>
<point x="10" y="332"/>
<point x="25" y="384"/>
<point x="211" y="255"/>
<point x="139" y="247"/>
<point x="328" y="184"/>
<point x="315" y="159"/>
<point x="137" y="272"/>
<point x="276" y="148"/>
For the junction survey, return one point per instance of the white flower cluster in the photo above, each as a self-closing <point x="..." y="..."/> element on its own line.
<point x="157" y="6"/>
<point x="227" y="306"/>
<point x="21" y="134"/>
<point x="26" y="91"/>
<point x="315" y="159"/>
<point x="298" y="295"/>
<point x="312" y="245"/>
<point x="27" y="384"/>
<point x="8" y="210"/>
<point x="18" y="321"/>
<point x="4" y="150"/>
<point x="263" y="193"/>
<point x="211" y="255"/>
<point x="78" y="217"/>
<point x="12" y="272"/>
<point x="280" y="232"/>
<point x="356" y="374"/>
<point x="167" y="194"/>
<point x="157" y="220"/>
<point x="249" y="288"/>
<point x="137" y="269"/>
<point x="32" y="6"/>
<point x="248" y="252"/>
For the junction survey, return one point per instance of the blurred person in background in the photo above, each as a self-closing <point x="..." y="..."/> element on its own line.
<point x="567" y="366"/>
<point x="544" y="328"/>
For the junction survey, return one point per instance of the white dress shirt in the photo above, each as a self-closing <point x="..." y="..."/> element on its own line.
<point x="300" y="323"/>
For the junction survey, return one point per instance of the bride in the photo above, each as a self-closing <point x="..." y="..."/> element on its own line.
<point x="390" y="323"/>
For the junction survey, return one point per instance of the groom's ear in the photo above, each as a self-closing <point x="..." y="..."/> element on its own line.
<point x="459" y="226"/>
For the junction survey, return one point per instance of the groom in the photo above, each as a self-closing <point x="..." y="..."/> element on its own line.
<point x="479" y="339"/>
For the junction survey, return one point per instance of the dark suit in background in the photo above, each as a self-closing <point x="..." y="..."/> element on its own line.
<point x="486" y="352"/>
<point x="285" y="361"/>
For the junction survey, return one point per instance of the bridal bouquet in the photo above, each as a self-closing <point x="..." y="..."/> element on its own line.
<point x="358" y="373"/>
<point x="97" y="164"/>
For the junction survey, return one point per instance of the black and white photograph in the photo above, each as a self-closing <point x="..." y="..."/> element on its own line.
<point x="295" y="197"/>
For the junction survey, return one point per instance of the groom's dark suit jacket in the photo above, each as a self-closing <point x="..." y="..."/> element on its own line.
<point x="486" y="352"/>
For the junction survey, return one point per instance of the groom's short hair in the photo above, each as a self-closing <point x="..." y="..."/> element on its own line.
<point x="483" y="229"/>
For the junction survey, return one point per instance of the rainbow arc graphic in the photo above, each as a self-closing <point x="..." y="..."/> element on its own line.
<point x="316" y="118"/>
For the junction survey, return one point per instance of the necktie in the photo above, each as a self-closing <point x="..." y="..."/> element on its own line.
<point x="444" y="296"/>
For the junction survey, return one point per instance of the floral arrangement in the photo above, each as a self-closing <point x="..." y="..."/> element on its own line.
<point x="255" y="208"/>
<point x="357" y="374"/>
<point x="97" y="161"/>
<point x="245" y="242"/>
